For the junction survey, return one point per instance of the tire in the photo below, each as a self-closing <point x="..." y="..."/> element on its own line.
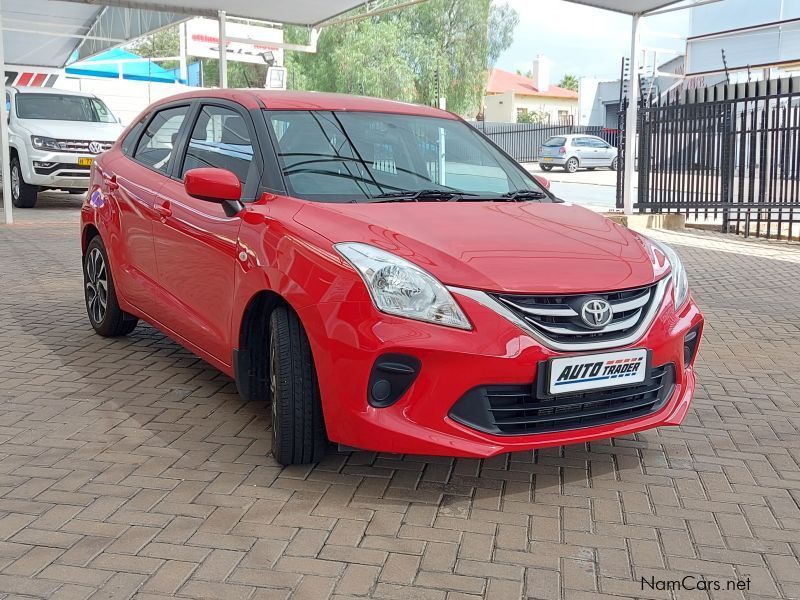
<point x="571" y="166"/>
<point x="22" y="194"/>
<point x="108" y="319"/>
<point x="614" y="164"/>
<point x="298" y="426"/>
<point x="74" y="191"/>
<point x="546" y="168"/>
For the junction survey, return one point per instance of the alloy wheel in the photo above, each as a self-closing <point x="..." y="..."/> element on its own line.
<point x="15" y="181"/>
<point x="96" y="285"/>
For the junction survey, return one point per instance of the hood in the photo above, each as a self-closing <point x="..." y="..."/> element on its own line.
<point x="525" y="247"/>
<point x="73" y="130"/>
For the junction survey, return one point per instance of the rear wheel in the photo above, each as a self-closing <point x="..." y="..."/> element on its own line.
<point x="298" y="427"/>
<point x="22" y="194"/>
<point x="571" y="165"/>
<point x="105" y="315"/>
<point x="546" y="168"/>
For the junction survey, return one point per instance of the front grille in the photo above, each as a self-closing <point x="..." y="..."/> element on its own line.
<point x="80" y="146"/>
<point x="78" y="170"/>
<point x="522" y="410"/>
<point x="557" y="317"/>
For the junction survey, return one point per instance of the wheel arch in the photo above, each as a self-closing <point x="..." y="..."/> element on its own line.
<point x="90" y="232"/>
<point x="251" y="356"/>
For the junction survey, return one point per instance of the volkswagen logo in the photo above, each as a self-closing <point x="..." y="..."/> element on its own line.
<point x="596" y="313"/>
<point x="95" y="147"/>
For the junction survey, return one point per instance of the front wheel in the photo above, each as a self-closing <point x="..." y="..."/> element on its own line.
<point x="298" y="427"/>
<point x="614" y="164"/>
<point x="572" y="165"/>
<point x="105" y="315"/>
<point x="22" y="194"/>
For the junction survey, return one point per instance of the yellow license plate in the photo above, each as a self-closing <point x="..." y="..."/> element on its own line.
<point x="85" y="161"/>
<point x="547" y="159"/>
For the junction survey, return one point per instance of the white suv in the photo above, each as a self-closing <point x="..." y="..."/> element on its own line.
<point x="53" y="137"/>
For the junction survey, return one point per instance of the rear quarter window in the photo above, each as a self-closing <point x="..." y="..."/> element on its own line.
<point x="129" y="141"/>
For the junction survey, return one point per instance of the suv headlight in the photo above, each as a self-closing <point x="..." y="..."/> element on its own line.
<point x="44" y="143"/>
<point x="399" y="287"/>
<point x="680" y="282"/>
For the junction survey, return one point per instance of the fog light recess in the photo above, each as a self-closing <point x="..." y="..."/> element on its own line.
<point x="390" y="378"/>
<point x="690" y="345"/>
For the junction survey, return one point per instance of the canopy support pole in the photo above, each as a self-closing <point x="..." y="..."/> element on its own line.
<point x="5" y="155"/>
<point x="631" y="120"/>
<point x="223" y="52"/>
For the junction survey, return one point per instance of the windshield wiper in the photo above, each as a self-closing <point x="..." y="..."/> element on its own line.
<point x="420" y="196"/>
<point x="524" y="194"/>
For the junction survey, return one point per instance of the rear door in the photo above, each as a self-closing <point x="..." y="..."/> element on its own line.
<point x="132" y="179"/>
<point x="582" y="150"/>
<point x="196" y="243"/>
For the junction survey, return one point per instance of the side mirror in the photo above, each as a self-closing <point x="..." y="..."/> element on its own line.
<point x="215" y="185"/>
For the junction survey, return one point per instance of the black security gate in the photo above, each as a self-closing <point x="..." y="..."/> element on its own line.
<point x="523" y="141"/>
<point x="729" y="153"/>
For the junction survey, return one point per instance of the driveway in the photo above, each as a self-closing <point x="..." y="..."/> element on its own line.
<point x="129" y="467"/>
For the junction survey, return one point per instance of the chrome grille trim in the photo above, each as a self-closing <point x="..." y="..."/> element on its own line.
<point x="658" y="291"/>
<point x="79" y="146"/>
<point x="617" y="326"/>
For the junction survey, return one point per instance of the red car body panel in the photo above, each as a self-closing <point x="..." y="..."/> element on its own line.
<point x="189" y="269"/>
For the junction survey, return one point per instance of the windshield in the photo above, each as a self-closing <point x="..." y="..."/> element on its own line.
<point x="63" y="107"/>
<point x="555" y="141"/>
<point x="362" y="156"/>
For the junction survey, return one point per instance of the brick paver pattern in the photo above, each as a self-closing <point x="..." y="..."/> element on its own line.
<point x="129" y="467"/>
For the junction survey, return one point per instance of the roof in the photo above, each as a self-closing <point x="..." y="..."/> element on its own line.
<point x="292" y="100"/>
<point x="501" y="82"/>
<point x="46" y="33"/>
<point x="24" y="89"/>
<point x="629" y="7"/>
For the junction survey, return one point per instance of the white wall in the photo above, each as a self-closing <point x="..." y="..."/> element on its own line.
<point x="125" y="98"/>
<point x="499" y="108"/>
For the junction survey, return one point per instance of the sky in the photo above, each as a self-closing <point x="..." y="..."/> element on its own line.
<point x="584" y="41"/>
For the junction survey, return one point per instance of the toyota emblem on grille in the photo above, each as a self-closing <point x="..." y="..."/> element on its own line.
<point x="596" y="313"/>
<point x="95" y="147"/>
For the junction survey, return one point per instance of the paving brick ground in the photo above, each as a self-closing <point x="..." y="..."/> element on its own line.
<point x="129" y="467"/>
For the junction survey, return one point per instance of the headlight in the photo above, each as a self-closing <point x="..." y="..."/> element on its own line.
<point x="44" y="143"/>
<point x="399" y="287"/>
<point x="680" y="282"/>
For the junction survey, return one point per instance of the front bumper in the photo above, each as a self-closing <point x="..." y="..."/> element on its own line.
<point x="348" y="337"/>
<point x="58" y="169"/>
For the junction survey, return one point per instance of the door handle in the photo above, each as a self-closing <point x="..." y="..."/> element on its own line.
<point x="111" y="182"/>
<point x="163" y="210"/>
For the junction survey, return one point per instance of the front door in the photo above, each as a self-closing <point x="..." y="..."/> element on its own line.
<point x="196" y="243"/>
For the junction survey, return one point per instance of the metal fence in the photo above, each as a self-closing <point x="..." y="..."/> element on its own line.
<point x="729" y="153"/>
<point x="523" y="140"/>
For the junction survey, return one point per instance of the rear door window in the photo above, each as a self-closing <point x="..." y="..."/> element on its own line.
<point x="157" y="144"/>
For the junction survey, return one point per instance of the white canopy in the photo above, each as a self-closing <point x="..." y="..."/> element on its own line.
<point x="629" y="7"/>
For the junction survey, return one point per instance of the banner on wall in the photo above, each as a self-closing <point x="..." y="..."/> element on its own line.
<point x="202" y="39"/>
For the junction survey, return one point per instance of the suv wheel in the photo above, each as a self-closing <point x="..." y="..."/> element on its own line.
<point x="298" y="427"/>
<point x="572" y="165"/>
<point x="22" y="194"/>
<point x="105" y="315"/>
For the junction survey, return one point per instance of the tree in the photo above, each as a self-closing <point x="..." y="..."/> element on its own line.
<point x="403" y="55"/>
<point x="569" y="82"/>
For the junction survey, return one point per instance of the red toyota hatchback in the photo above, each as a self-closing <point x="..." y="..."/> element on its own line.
<point x="384" y="276"/>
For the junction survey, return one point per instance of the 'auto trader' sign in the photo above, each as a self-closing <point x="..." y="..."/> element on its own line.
<point x="202" y="39"/>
